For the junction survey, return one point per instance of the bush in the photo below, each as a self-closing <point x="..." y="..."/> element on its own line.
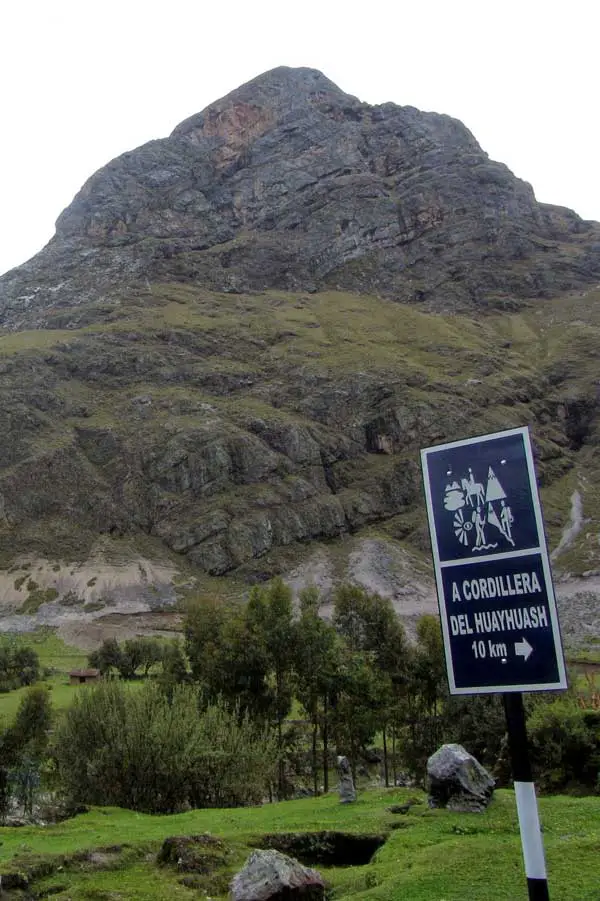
<point x="22" y="748"/>
<point x="565" y="746"/>
<point x="154" y="752"/>
<point x="479" y="724"/>
<point x="18" y="666"/>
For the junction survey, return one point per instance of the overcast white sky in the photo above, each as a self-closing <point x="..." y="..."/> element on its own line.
<point x="82" y="81"/>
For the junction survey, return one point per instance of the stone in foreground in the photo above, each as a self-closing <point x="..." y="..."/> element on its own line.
<point x="271" y="876"/>
<point x="458" y="781"/>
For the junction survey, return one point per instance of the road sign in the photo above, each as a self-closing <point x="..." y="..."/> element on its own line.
<point x="497" y="605"/>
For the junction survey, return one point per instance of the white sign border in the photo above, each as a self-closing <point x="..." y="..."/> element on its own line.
<point x="542" y="550"/>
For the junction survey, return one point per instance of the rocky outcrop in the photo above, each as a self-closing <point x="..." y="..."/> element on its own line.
<point x="290" y="183"/>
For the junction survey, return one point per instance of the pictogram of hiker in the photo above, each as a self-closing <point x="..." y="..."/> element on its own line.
<point x="506" y="521"/>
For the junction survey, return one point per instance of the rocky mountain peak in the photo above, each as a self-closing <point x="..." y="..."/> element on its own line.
<point x="253" y="108"/>
<point x="231" y="125"/>
<point x="289" y="183"/>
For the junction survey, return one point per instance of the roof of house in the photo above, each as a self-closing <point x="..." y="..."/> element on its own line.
<point x="84" y="672"/>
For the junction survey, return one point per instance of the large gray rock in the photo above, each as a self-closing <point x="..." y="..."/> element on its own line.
<point x="458" y="781"/>
<point x="272" y="876"/>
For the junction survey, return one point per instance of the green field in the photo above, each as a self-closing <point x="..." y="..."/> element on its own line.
<point x="429" y="855"/>
<point x="56" y="657"/>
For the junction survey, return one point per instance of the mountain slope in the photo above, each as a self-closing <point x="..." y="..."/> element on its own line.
<point x="242" y="334"/>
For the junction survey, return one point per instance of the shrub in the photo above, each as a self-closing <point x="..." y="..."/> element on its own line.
<point x="18" y="666"/>
<point x="565" y="745"/>
<point x="155" y="752"/>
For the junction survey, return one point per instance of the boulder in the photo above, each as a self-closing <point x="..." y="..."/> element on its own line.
<point x="346" y="787"/>
<point x="272" y="876"/>
<point x="458" y="781"/>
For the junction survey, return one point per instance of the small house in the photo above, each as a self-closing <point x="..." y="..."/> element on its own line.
<point x="83" y="676"/>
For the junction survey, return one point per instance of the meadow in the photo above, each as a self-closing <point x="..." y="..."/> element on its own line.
<point x="56" y="660"/>
<point x="108" y="854"/>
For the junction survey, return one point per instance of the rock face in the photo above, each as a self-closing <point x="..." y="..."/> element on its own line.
<point x="290" y="183"/>
<point x="272" y="876"/>
<point x="176" y="366"/>
<point x="458" y="781"/>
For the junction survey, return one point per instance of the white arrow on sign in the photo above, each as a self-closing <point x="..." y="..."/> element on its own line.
<point x="523" y="649"/>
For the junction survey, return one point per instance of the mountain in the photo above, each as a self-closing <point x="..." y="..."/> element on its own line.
<point x="241" y="335"/>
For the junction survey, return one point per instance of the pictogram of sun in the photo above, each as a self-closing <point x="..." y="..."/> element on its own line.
<point x="462" y="527"/>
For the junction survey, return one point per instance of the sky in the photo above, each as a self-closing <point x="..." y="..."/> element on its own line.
<point x="83" y="81"/>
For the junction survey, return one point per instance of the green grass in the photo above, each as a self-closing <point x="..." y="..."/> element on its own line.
<point x="51" y="650"/>
<point x="54" y="655"/>
<point x="61" y="695"/>
<point x="434" y="856"/>
<point x="58" y="657"/>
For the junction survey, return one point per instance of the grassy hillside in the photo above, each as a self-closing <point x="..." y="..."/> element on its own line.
<point x="428" y="856"/>
<point x="228" y="432"/>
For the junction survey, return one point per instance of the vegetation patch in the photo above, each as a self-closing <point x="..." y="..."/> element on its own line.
<point x="71" y="599"/>
<point x="36" y="598"/>
<point x="93" y="606"/>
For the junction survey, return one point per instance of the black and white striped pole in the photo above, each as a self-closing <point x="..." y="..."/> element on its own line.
<point x="527" y="809"/>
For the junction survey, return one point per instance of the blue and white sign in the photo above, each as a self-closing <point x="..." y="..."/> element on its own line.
<point x="495" y="591"/>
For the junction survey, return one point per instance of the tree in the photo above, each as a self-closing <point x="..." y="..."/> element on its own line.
<point x="426" y="690"/>
<point x="204" y="629"/>
<point x="269" y="620"/>
<point x="29" y="731"/>
<point x="174" y="667"/>
<point x="565" y="745"/>
<point x="128" y="657"/>
<point x="315" y="659"/>
<point x="131" y="658"/>
<point x="357" y="704"/>
<point x="26" y="665"/>
<point x="149" y="652"/>
<point x="369" y="624"/>
<point x="478" y="723"/>
<point x="107" y="657"/>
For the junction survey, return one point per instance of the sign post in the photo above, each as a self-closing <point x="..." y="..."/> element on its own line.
<point x="497" y="606"/>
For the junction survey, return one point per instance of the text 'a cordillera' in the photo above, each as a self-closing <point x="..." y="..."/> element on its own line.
<point x="496" y="587"/>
